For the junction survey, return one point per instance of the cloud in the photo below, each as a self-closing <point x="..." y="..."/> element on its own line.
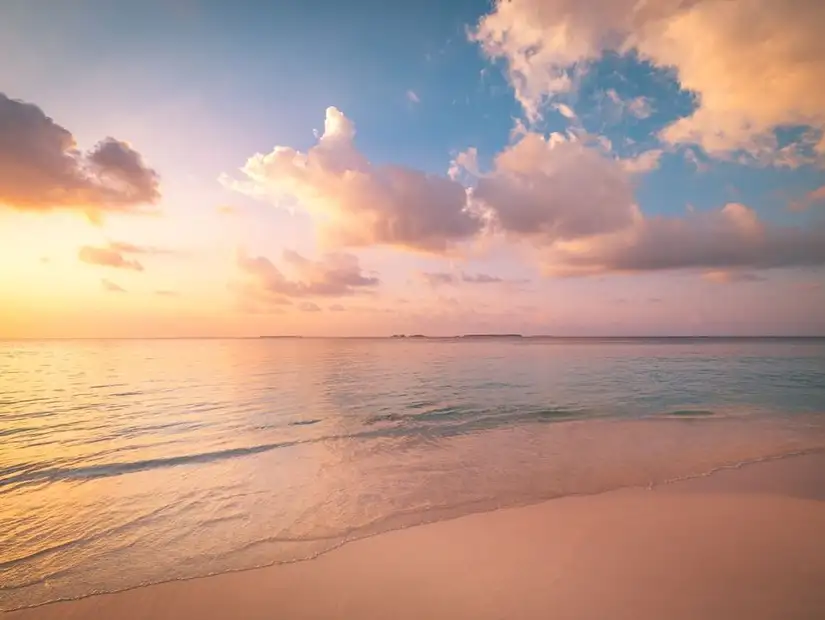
<point x="112" y="255"/>
<point x="337" y="308"/>
<point x="810" y="199"/>
<point x="131" y="248"/>
<point x="335" y="275"/>
<point x="111" y="287"/>
<point x="644" y="162"/>
<point x="439" y="278"/>
<point x="637" y="107"/>
<point x="565" y="110"/>
<point x="356" y="203"/>
<point x="42" y="169"/>
<point x="567" y="196"/>
<point x="722" y="276"/>
<point x="730" y="67"/>
<point x="640" y="107"/>
<point x="556" y="188"/>
<point x="308" y="306"/>
<point x="107" y="257"/>
<point x="731" y="238"/>
<point x="464" y="161"/>
<point x="412" y="97"/>
<point x="480" y="278"/>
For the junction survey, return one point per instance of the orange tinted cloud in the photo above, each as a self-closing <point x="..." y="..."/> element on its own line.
<point x="107" y="257"/>
<point x="41" y="168"/>
<point x="726" y="277"/>
<point x="112" y="255"/>
<point x="357" y="203"/>
<point x="729" y="66"/>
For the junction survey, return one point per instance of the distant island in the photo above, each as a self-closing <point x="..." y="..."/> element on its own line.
<point x="281" y="337"/>
<point x="491" y="336"/>
<point x="465" y="336"/>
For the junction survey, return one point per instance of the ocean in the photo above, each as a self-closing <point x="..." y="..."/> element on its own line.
<point x="129" y="462"/>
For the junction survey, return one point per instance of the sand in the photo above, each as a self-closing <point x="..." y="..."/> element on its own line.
<point x="746" y="543"/>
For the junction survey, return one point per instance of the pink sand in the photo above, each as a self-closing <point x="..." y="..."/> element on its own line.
<point x="747" y="543"/>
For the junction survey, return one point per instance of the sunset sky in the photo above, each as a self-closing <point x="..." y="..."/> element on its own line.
<point x="569" y="167"/>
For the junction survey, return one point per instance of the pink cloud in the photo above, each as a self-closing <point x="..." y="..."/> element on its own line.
<point x="555" y="189"/>
<point x="335" y="275"/>
<point x="308" y="306"/>
<point x="810" y="199"/>
<point x="439" y="278"/>
<point x="564" y="195"/>
<point x="41" y="168"/>
<point x="730" y="238"/>
<point x="357" y="203"/>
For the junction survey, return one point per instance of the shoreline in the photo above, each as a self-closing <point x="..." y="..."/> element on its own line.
<point x="790" y="488"/>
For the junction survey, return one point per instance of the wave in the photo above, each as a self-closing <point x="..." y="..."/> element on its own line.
<point x="116" y="469"/>
<point x="506" y="413"/>
<point x="440" y="423"/>
<point x="691" y="413"/>
<point x="400" y="520"/>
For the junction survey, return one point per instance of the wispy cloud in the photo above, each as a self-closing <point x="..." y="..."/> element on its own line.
<point x="722" y="276"/>
<point x="114" y="254"/>
<point x="335" y="275"/>
<point x="810" y="199"/>
<point x="107" y="257"/>
<point x="111" y="287"/>
<point x="441" y="278"/>
<point x="413" y="97"/>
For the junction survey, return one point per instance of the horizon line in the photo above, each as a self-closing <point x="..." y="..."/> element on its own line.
<point x="492" y="336"/>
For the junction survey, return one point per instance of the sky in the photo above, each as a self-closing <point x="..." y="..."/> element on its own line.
<point x="558" y="167"/>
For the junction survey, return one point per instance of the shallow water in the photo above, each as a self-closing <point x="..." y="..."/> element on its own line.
<point x="137" y="461"/>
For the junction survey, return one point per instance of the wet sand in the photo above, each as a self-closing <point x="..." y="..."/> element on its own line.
<point x="742" y="543"/>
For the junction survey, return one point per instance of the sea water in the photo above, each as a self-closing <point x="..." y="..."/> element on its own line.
<point x="129" y="462"/>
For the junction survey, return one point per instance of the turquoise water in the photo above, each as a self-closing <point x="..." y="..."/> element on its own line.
<point x="137" y="461"/>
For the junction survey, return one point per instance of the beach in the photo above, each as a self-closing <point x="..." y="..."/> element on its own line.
<point x="745" y="542"/>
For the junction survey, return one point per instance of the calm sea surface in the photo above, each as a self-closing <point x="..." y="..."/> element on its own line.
<point x="137" y="461"/>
